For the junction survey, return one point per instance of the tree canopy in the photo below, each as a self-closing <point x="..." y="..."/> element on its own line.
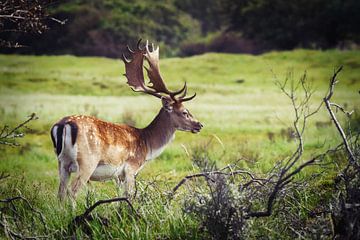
<point x="186" y="27"/>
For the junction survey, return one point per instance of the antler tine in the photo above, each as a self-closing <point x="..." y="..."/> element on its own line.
<point x="187" y="99"/>
<point x="129" y="49"/>
<point x="148" y="91"/>
<point x="147" y="46"/>
<point x="173" y="94"/>
<point x="153" y="71"/>
<point x="138" y="44"/>
<point x="125" y="59"/>
<point x="134" y="73"/>
<point x="184" y="93"/>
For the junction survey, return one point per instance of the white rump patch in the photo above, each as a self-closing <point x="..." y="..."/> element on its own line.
<point x="69" y="151"/>
<point x="54" y="134"/>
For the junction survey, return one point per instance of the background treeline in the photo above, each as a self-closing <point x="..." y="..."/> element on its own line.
<point x="188" y="27"/>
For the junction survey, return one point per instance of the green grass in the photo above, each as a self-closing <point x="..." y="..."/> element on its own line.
<point x="242" y="115"/>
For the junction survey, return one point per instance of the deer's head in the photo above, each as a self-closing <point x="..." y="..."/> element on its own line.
<point x="172" y="101"/>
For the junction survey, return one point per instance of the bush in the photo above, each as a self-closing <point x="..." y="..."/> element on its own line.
<point x="228" y="42"/>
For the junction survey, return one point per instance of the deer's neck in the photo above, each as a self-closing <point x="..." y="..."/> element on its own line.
<point x="158" y="134"/>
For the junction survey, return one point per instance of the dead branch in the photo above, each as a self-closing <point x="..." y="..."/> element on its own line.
<point x="8" y="136"/>
<point x="14" y="235"/>
<point x="11" y="200"/>
<point x="78" y="220"/>
<point x="4" y="175"/>
<point x="328" y="104"/>
<point x="3" y="222"/>
<point x="302" y="113"/>
<point x="24" y="17"/>
<point x="286" y="179"/>
<point x="345" y="212"/>
<point x="219" y="172"/>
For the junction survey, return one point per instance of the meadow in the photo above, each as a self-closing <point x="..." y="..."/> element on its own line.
<point x="245" y="116"/>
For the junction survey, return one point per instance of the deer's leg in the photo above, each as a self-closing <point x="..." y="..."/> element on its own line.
<point x="130" y="181"/>
<point x="119" y="180"/>
<point x="64" y="175"/>
<point x="82" y="177"/>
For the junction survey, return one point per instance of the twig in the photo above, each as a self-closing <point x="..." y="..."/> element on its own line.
<point x="12" y="234"/>
<point x="80" y="218"/>
<point x="328" y="104"/>
<point x="3" y="175"/>
<point x="207" y="174"/>
<point x="301" y="111"/>
<point x="7" y="134"/>
<point x="41" y="216"/>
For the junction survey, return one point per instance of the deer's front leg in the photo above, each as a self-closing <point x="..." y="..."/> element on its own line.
<point x="130" y="172"/>
<point x="119" y="180"/>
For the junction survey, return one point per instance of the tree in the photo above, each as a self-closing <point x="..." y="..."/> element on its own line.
<point x="20" y="16"/>
<point x="300" y="23"/>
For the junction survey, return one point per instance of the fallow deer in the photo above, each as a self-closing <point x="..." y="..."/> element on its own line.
<point x="97" y="150"/>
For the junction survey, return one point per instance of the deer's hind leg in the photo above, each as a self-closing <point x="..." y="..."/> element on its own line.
<point x="67" y="159"/>
<point x="64" y="175"/>
<point x="82" y="175"/>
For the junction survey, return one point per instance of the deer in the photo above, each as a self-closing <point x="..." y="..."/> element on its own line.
<point x="97" y="150"/>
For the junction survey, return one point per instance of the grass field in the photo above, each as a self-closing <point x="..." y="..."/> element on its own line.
<point x="244" y="113"/>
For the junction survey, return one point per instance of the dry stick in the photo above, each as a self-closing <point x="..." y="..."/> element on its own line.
<point x="8" y="135"/>
<point x="283" y="181"/>
<point x="286" y="177"/>
<point x="328" y="104"/>
<point x="4" y="175"/>
<point x="13" y="234"/>
<point x="206" y="174"/>
<point x="10" y="200"/>
<point x="78" y="219"/>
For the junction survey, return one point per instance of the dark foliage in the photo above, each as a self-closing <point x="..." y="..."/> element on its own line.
<point x="187" y="27"/>
<point x="228" y="42"/>
<point x="19" y="18"/>
<point x="281" y="24"/>
<point x="104" y="27"/>
<point x="285" y="24"/>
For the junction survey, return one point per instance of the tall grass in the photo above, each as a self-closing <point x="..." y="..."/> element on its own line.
<point x="250" y="118"/>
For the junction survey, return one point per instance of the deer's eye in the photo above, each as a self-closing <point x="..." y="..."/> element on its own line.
<point x="185" y="114"/>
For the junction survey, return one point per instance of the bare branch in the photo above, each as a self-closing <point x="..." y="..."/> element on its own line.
<point x="81" y="218"/>
<point x="24" y="17"/>
<point x="12" y="234"/>
<point x="328" y="105"/>
<point x="8" y="136"/>
<point x="342" y="109"/>
<point x="220" y="172"/>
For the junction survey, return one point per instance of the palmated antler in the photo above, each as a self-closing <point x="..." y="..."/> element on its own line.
<point x="135" y="76"/>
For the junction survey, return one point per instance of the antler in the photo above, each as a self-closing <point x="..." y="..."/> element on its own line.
<point x="134" y="73"/>
<point x="154" y="71"/>
<point x="134" y="70"/>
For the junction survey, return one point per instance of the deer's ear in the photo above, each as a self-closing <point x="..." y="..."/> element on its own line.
<point x="167" y="104"/>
